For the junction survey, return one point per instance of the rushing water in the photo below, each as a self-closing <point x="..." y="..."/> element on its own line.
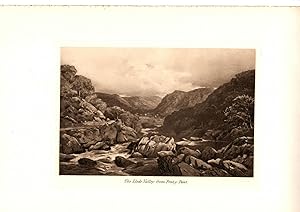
<point x="105" y="159"/>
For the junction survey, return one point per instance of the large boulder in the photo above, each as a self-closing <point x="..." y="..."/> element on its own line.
<point x="98" y="146"/>
<point x="235" y="169"/>
<point x="88" y="107"/>
<point x="109" y="133"/>
<point x="187" y="170"/>
<point x="87" y="162"/>
<point x="150" y="146"/>
<point x="65" y="157"/>
<point x="69" y="145"/>
<point x="248" y="162"/>
<point x="197" y="163"/>
<point x="126" y="134"/>
<point x="136" y="155"/>
<point x="232" y="152"/>
<point x="146" y="168"/>
<point x="208" y="153"/>
<point x="168" y="166"/>
<point x="123" y="162"/>
<point x="216" y="163"/>
<point x="188" y="151"/>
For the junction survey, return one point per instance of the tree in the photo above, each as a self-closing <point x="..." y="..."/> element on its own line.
<point x="241" y="112"/>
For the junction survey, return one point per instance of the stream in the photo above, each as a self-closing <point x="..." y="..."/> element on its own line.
<point x="105" y="159"/>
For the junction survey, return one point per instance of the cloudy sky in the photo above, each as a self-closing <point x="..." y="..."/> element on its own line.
<point x="154" y="71"/>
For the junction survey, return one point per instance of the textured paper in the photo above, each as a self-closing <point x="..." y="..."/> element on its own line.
<point x="30" y="42"/>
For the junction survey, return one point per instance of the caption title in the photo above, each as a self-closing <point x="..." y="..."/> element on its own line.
<point x="149" y="181"/>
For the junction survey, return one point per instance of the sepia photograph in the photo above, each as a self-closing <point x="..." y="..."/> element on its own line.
<point x="167" y="108"/>
<point x="157" y="112"/>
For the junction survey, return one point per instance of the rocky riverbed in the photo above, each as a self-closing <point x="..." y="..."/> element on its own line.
<point x="158" y="155"/>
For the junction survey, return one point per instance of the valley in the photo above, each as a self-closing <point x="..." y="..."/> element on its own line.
<point x="202" y="132"/>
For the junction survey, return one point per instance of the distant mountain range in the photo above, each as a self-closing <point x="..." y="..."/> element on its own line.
<point x="154" y="104"/>
<point x="135" y="104"/>
<point x="180" y="100"/>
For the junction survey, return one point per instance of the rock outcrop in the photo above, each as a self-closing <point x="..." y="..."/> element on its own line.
<point x="84" y="125"/>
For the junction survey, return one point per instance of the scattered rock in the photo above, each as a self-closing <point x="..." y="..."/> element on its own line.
<point x="208" y="153"/>
<point x="232" y="152"/>
<point x="168" y="167"/>
<point x="165" y="153"/>
<point x="65" y="157"/>
<point x="248" y="162"/>
<point x="123" y="162"/>
<point x="217" y="172"/>
<point x="243" y="140"/>
<point x="148" y="168"/>
<point x="214" y="162"/>
<point x="69" y="145"/>
<point x="235" y="169"/>
<point x="87" y="162"/>
<point x="98" y="145"/>
<point x="195" y="138"/>
<point x="188" y="151"/>
<point x="187" y="170"/>
<point x="183" y="143"/>
<point x="239" y="159"/>
<point x="199" y="164"/>
<point x="136" y="155"/>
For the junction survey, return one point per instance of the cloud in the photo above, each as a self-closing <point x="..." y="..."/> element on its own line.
<point x="146" y="72"/>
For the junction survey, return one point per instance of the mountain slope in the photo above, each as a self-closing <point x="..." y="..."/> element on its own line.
<point x="180" y="99"/>
<point x="143" y="103"/>
<point x="209" y="115"/>
<point x="114" y="100"/>
<point x="133" y="104"/>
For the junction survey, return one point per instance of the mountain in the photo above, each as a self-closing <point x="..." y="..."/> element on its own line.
<point x="114" y="100"/>
<point x="180" y="99"/>
<point x="209" y="116"/>
<point x="143" y="103"/>
<point x="133" y="104"/>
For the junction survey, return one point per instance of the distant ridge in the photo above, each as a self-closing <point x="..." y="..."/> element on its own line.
<point x="180" y="99"/>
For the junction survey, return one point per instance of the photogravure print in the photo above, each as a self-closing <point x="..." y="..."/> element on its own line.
<point x="157" y="112"/>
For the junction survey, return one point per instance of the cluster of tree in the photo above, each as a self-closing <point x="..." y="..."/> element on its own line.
<point x="241" y="112"/>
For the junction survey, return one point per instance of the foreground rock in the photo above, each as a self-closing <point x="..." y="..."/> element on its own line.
<point x="147" y="168"/>
<point x="69" y="145"/>
<point x="235" y="159"/>
<point x="188" y="151"/>
<point x="65" y="157"/>
<point x="87" y="162"/>
<point x="98" y="137"/>
<point x="76" y="169"/>
<point x="150" y="146"/>
<point x="123" y="162"/>
<point x="208" y="153"/>
<point x="170" y="167"/>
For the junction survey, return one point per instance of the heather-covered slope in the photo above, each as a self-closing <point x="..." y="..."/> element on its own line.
<point x="208" y="118"/>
